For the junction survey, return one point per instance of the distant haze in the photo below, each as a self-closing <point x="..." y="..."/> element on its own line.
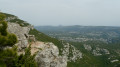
<point x="65" y="12"/>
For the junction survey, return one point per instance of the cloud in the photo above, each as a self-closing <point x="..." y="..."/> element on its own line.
<point x="64" y="12"/>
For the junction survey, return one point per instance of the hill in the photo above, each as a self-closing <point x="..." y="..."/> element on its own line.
<point x="58" y="53"/>
<point x="99" y="44"/>
<point x="62" y="46"/>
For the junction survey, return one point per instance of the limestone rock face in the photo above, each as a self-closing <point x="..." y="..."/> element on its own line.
<point x="87" y="47"/>
<point x="71" y="53"/>
<point x="100" y="51"/>
<point x="21" y="33"/>
<point x="96" y="51"/>
<point x="105" y="51"/>
<point x="48" y="55"/>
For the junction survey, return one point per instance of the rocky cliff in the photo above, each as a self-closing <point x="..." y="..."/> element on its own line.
<point x="47" y="53"/>
<point x="51" y="52"/>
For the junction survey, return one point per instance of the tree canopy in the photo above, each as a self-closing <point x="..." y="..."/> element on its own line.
<point x="6" y="39"/>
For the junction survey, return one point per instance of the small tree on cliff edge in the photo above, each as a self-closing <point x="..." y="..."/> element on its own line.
<point x="3" y="25"/>
<point x="6" y="39"/>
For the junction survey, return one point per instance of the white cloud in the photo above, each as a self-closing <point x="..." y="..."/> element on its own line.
<point x="65" y="12"/>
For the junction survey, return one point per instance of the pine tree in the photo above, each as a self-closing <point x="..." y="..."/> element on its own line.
<point x="6" y="39"/>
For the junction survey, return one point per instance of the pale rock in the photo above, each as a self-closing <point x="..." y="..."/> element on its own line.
<point x="96" y="53"/>
<point x="100" y="51"/>
<point x="116" y="60"/>
<point x="48" y="56"/>
<point x="76" y="54"/>
<point x="48" y="53"/>
<point x="87" y="47"/>
<point x="22" y="34"/>
<point x="105" y="51"/>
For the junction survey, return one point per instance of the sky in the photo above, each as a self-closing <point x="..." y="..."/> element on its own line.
<point x="65" y="12"/>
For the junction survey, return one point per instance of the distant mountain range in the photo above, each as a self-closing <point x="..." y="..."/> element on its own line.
<point x="79" y="33"/>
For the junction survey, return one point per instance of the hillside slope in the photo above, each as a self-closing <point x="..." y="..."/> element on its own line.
<point x="57" y="53"/>
<point x="100" y="45"/>
<point x="26" y="35"/>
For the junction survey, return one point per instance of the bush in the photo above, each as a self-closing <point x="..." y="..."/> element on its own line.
<point x="3" y="27"/>
<point x="9" y="58"/>
<point x="2" y="17"/>
<point x="12" y="39"/>
<point x="27" y="60"/>
<point x="6" y="39"/>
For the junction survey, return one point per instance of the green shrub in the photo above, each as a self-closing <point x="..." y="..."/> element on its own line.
<point x="2" y="17"/>
<point x="12" y="39"/>
<point x="6" y="39"/>
<point x="28" y="60"/>
<point x="3" y="25"/>
<point x="9" y="58"/>
<point x="4" y="28"/>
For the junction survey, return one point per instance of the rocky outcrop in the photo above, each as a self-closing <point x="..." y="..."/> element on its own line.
<point x="21" y="33"/>
<point x="96" y="51"/>
<point x="100" y="51"/>
<point x="87" y="47"/>
<point x="116" y="60"/>
<point x="71" y="53"/>
<point x="48" y="55"/>
<point x="105" y="51"/>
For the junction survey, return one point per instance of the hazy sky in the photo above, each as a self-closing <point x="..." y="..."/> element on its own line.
<point x="65" y="12"/>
